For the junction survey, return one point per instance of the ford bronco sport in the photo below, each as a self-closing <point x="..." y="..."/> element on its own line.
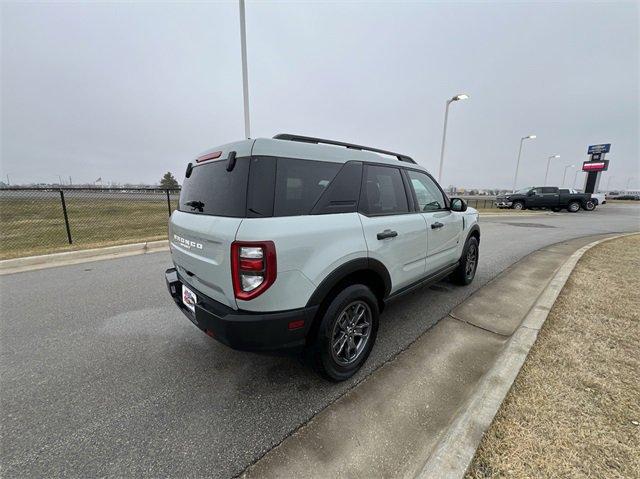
<point x="297" y="243"/>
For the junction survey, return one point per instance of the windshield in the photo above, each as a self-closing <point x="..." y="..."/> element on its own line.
<point x="524" y="191"/>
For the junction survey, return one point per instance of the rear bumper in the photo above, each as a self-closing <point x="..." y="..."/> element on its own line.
<point x="243" y="330"/>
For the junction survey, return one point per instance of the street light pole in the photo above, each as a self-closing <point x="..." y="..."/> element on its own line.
<point x="575" y="178"/>
<point x="565" y="172"/>
<point x="245" y="74"/>
<point x="546" y="174"/>
<point x="515" y="177"/>
<point x="462" y="96"/>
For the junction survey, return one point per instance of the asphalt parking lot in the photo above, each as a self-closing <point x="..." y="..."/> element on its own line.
<point x="101" y="375"/>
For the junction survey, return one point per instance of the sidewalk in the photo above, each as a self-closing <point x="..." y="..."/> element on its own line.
<point x="394" y="420"/>
<point x="574" y="409"/>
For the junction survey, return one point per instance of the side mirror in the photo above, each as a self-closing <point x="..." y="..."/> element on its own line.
<point x="531" y="193"/>
<point x="458" y="204"/>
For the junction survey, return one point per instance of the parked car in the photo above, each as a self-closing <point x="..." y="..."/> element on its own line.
<point x="598" y="198"/>
<point x="624" y="195"/>
<point x="298" y="243"/>
<point x="546" y="197"/>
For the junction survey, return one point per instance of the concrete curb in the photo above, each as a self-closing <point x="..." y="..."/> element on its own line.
<point x="30" y="263"/>
<point x="453" y="454"/>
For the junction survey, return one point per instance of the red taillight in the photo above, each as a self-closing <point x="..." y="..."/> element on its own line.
<point x="253" y="268"/>
<point x="251" y="264"/>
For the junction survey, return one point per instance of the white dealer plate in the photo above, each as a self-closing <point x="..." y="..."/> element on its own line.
<point x="189" y="298"/>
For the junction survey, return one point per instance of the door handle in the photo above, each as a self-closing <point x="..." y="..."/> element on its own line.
<point x="387" y="234"/>
<point x="436" y="225"/>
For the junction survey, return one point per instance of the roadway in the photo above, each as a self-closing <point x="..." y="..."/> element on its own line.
<point x="101" y="375"/>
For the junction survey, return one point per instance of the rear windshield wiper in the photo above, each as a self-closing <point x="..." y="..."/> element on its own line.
<point x="196" y="205"/>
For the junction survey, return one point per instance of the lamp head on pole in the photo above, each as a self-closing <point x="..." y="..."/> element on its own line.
<point x="530" y="137"/>
<point x="461" y="96"/>
<point x="554" y="156"/>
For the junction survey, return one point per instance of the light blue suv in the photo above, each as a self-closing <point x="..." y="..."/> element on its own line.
<point x="298" y="242"/>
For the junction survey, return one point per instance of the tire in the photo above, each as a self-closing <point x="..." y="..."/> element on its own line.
<point x="517" y="205"/>
<point x="573" y="207"/>
<point x="590" y="206"/>
<point x="328" y="354"/>
<point x="466" y="270"/>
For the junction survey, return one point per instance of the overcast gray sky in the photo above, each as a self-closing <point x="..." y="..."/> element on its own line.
<point x="126" y="91"/>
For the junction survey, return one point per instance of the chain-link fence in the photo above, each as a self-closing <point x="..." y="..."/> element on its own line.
<point x="44" y="220"/>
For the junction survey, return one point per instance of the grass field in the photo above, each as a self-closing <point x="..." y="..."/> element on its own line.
<point x="30" y="226"/>
<point x="574" y="409"/>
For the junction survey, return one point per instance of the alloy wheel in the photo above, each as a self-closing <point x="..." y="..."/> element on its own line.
<point x="472" y="260"/>
<point x="351" y="332"/>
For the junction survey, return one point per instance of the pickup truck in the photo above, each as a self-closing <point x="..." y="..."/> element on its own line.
<point x="546" y="197"/>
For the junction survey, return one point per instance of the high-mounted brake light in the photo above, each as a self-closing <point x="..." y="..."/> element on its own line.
<point x="253" y="268"/>
<point x="209" y="156"/>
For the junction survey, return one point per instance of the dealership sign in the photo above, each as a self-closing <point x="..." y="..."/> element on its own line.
<point x="596" y="149"/>
<point x="590" y="166"/>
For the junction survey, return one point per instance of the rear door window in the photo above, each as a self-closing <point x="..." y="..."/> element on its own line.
<point x="212" y="190"/>
<point x="300" y="183"/>
<point x="383" y="191"/>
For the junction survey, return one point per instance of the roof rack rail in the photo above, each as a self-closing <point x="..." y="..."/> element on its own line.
<point x="310" y="139"/>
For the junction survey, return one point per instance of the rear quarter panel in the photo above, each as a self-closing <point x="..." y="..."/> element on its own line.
<point x="308" y="248"/>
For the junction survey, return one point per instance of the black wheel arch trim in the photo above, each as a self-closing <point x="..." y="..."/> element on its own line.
<point x="344" y="270"/>
<point x="474" y="229"/>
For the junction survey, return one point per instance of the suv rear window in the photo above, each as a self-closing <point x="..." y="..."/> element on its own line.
<point x="299" y="184"/>
<point x="212" y="190"/>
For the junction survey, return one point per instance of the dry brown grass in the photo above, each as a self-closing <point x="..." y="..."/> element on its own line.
<point x="574" y="409"/>
<point x="611" y="200"/>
